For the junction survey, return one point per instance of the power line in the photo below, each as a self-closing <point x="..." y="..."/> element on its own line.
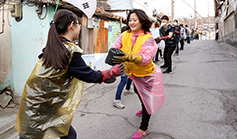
<point x="192" y="8"/>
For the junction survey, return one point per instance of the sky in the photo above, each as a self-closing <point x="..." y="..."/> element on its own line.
<point x="182" y="9"/>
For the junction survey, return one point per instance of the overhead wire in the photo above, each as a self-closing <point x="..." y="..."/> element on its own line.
<point x="117" y="3"/>
<point x="19" y="5"/>
<point x="162" y="7"/>
<point x="46" y="12"/>
<point x="192" y="8"/>
<point x="28" y="4"/>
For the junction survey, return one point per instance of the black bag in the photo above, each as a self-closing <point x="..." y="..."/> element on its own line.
<point x="113" y="52"/>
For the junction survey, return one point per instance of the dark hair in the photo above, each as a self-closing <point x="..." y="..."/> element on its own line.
<point x="186" y="25"/>
<point x="124" y="28"/>
<point x="176" y="21"/>
<point x="143" y="18"/>
<point x="181" y="25"/>
<point x="157" y="24"/>
<point x="56" y="54"/>
<point x="165" y="17"/>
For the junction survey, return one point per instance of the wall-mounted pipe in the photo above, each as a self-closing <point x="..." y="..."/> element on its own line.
<point x="2" y="19"/>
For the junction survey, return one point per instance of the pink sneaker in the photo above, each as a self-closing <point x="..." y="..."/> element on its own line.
<point x="139" y="113"/>
<point x="139" y="135"/>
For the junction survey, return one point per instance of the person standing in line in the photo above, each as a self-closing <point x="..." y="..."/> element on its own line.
<point x="54" y="89"/>
<point x="139" y="48"/>
<point x="156" y="34"/>
<point x="177" y="36"/>
<point x="188" y="34"/>
<point x="167" y="33"/>
<point x="217" y="34"/>
<point x="182" y="36"/>
<point x="124" y="81"/>
<point x="193" y="32"/>
<point x="197" y="34"/>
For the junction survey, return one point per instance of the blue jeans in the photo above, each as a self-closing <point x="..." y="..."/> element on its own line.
<point x="124" y="80"/>
<point x="71" y="134"/>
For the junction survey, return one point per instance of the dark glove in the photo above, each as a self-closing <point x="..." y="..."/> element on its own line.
<point x="116" y="70"/>
<point x="111" y="80"/>
<point x="159" y="39"/>
<point x="162" y="38"/>
<point x="127" y="57"/>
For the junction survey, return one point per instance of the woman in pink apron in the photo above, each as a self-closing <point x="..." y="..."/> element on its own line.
<point x="139" y="48"/>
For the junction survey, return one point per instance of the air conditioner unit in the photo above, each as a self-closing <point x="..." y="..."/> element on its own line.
<point x="15" y="10"/>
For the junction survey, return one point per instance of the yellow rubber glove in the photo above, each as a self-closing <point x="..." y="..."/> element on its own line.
<point x="127" y="57"/>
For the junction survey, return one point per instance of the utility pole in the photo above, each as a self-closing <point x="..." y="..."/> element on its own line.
<point x="209" y="23"/>
<point x="195" y="15"/>
<point x="172" y="10"/>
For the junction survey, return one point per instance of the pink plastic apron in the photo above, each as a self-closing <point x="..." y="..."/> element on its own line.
<point x="151" y="90"/>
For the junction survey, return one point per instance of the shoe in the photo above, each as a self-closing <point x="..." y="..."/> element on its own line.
<point x="168" y="71"/>
<point x="176" y="54"/>
<point x="139" y="135"/>
<point x="139" y="113"/>
<point x="118" y="104"/>
<point x="127" y="92"/>
<point x="163" y="66"/>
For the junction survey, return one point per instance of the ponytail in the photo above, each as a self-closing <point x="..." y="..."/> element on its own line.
<point x="56" y="54"/>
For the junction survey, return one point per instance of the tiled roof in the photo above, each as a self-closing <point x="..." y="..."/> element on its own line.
<point x="99" y="12"/>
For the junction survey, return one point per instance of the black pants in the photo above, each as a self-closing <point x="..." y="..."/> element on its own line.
<point x="71" y="134"/>
<point x="145" y="116"/>
<point x="159" y="51"/>
<point x="169" y="50"/>
<point x="181" y="44"/>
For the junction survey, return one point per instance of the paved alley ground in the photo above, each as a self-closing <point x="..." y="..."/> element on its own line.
<point x="200" y="100"/>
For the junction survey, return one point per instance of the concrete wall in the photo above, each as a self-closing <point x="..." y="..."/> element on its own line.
<point x="231" y="38"/>
<point x="5" y="51"/>
<point x="230" y="31"/>
<point x="28" y="37"/>
<point x="226" y="22"/>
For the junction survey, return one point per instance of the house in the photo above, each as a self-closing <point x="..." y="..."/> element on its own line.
<point x="25" y="34"/>
<point x="226" y="20"/>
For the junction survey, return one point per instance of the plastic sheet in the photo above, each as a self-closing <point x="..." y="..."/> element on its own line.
<point x="151" y="90"/>
<point x="49" y="100"/>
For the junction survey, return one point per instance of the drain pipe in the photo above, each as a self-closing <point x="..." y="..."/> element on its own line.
<point x="2" y="19"/>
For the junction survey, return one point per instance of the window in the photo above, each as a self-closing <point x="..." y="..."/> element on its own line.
<point x="236" y="21"/>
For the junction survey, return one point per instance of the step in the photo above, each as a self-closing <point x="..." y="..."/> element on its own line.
<point x="7" y="123"/>
<point x="11" y="133"/>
